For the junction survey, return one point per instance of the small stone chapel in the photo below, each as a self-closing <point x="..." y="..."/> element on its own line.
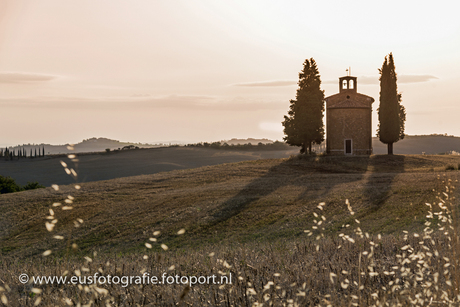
<point x="348" y="120"/>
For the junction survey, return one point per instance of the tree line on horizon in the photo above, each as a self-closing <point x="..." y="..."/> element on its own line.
<point x="22" y="153"/>
<point x="304" y="124"/>
<point x="276" y="145"/>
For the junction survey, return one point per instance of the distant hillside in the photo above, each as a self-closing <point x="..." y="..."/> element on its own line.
<point x="411" y="144"/>
<point x="418" y="144"/>
<point x="88" y="145"/>
<point x="124" y="163"/>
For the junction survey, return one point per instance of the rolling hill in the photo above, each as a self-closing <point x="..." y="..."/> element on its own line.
<point x="419" y="144"/>
<point x="245" y="201"/>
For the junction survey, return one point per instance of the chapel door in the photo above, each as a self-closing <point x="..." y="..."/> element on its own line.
<point x="348" y="147"/>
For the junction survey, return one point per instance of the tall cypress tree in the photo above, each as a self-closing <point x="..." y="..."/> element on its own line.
<point x="304" y="125"/>
<point x="392" y="115"/>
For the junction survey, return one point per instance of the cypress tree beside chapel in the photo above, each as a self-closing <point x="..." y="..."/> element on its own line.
<point x="304" y="125"/>
<point x="392" y="115"/>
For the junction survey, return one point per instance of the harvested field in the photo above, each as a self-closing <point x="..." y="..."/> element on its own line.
<point x="284" y="221"/>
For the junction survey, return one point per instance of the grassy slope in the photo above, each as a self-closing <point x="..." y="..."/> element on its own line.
<point x="247" y="201"/>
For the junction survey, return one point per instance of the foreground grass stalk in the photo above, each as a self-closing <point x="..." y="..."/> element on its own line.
<point x="320" y="267"/>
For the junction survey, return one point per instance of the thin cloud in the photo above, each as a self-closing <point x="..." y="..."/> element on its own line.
<point x="140" y="101"/>
<point x="267" y="83"/>
<point x="415" y="78"/>
<point x="401" y="79"/>
<point x="335" y="81"/>
<point x="271" y="126"/>
<point x="20" y="77"/>
<point x="197" y="102"/>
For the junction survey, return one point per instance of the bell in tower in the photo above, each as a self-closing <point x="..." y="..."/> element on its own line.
<point x="347" y="83"/>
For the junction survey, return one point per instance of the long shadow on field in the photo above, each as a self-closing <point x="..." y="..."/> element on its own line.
<point x="316" y="175"/>
<point x="378" y="182"/>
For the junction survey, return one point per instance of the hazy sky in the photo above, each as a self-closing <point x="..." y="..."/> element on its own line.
<point x="147" y="70"/>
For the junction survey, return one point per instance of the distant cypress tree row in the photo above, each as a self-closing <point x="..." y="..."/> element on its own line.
<point x="21" y="152"/>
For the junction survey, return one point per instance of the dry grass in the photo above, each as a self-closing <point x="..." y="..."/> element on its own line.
<point x="251" y="217"/>
<point x="300" y="275"/>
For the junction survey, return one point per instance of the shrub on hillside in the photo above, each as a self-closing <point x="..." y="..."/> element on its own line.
<point x="33" y="185"/>
<point x="8" y="185"/>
